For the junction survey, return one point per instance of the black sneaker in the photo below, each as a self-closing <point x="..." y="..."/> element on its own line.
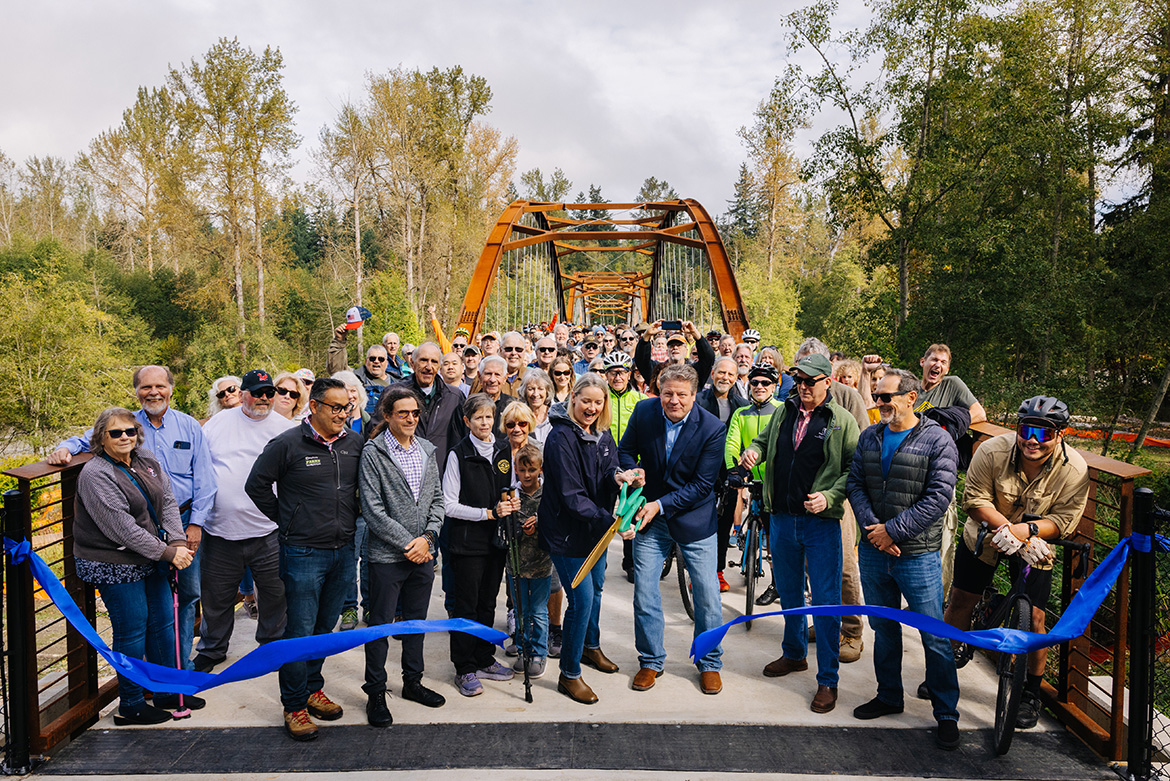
<point x="144" y="713"/>
<point x="947" y="736"/>
<point x="416" y="692"/>
<point x="377" y="714"/>
<point x="204" y="664"/>
<point x="1029" y="711"/>
<point x="768" y="597"/>
<point x="874" y="709"/>
<point x="171" y="701"/>
<point x="962" y="654"/>
<point x="923" y="691"/>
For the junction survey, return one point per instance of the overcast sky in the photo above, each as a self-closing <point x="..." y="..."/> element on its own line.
<point x="611" y="92"/>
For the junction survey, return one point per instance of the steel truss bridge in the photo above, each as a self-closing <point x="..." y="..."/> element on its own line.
<point x="639" y="261"/>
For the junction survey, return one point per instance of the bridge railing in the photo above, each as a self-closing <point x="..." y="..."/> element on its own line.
<point x="1085" y="682"/>
<point x="58" y="682"/>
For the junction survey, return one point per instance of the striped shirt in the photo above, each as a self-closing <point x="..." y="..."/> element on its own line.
<point x="410" y="460"/>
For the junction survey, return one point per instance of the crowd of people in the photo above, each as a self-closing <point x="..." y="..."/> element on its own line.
<point x="324" y="502"/>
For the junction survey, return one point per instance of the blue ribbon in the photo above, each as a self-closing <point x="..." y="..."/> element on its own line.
<point x="260" y="661"/>
<point x="1077" y="615"/>
<point x="1143" y="542"/>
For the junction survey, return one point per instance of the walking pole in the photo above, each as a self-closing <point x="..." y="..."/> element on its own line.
<point x="183" y="712"/>
<point x="513" y="568"/>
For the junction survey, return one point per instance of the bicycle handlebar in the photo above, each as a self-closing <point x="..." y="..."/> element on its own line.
<point x="1081" y="548"/>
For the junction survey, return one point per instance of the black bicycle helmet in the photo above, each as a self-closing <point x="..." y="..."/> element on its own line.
<point x="1045" y="410"/>
<point x="764" y="370"/>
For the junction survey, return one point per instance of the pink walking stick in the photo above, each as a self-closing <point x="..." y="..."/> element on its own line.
<point x="183" y="712"/>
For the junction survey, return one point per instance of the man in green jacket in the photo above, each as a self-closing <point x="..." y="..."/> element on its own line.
<point x="806" y="449"/>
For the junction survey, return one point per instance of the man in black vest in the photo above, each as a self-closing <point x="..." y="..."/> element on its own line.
<point x="440" y="401"/>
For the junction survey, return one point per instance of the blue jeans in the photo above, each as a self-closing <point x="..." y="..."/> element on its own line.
<point x="650" y="549"/>
<point x="797" y="541"/>
<point x="886" y="579"/>
<point x="315" y="583"/>
<point x="188" y="599"/>
<point x="247" y="584"/>
<point x="533" y="606"/>
<point x="142" y="618"/>
<point x="581" y="627"/>
<point x="362" y="582"/>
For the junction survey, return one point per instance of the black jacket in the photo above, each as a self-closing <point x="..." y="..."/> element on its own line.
<point x="648" y="367"/>
<point x="316" y="504"/>
<point x="438" y="409"/>
<point x="706" y="399"/>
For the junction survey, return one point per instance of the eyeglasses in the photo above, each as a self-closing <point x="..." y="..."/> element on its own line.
<point x="516" y="424"/>
<point x="376" y="358"/>
<point x="513" y="349"/>
<point x="760" y="383"/>
<point x="547" y="349"/>
<point x="562" y="374"/>
<point x="808" y="381"/>
<point x="337" y="409"/>
<point x="885" y="398"/>
<point x="118" y="433"/>
<point x="403" y="414"/>
<point x="1041" y="434"/>
<point x="751" y="341"/>
<point x="226" y="391"/>
<point x="263" y="393"/>
<point x="296" y="395"/>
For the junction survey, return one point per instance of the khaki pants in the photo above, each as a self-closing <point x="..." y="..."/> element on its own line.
<point x="850" y="576"/>
<point x="950" y="527"/>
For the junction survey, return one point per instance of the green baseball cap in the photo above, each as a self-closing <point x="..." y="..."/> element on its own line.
<point x="815" y="365"/>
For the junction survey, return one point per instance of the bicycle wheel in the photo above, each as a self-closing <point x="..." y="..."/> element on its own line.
<point x="751" y="555"/>
<point x="684" y="583"/>
<point x="1013" y="670"/>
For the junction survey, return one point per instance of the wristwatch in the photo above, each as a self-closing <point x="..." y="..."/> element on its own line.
<point x="1033" y="529"/>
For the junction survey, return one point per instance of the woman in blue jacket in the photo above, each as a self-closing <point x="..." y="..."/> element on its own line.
<point x="581" y="474"/>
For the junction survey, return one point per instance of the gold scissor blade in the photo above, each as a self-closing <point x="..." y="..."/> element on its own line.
<point x="596" y="554"/>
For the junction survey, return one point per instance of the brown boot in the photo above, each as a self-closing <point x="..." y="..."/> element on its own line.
<point x="710" y="682"/>
<point x="299" y="725"/>
<point x="576" y="689"/>
<point x="784" y="665"/>
<point x="825" y="699"/>
<point x="645" y="679"/>
<point x="594" y="657"/>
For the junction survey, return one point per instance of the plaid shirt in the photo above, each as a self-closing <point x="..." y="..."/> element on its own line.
<point x="410" y="459"/>
<point x="317" y="435"/>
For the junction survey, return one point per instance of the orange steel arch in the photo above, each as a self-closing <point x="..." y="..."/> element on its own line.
<point x="665" y="223"/>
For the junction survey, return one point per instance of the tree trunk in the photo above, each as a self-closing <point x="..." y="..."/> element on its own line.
<point x="1155" y="405"/>
<point x="259" y="254"/>
<point x="903" y="280"/>
<point x="1125" y="385"/>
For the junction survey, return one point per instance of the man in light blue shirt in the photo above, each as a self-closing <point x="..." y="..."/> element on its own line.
<point x="176" y="440"/>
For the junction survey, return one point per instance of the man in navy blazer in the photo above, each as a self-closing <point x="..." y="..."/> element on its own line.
<point x="678" y="448"/>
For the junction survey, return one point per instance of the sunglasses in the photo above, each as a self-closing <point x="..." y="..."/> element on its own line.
<point x="458" y="346"/>
<point x="513" y="349"/>
<point x="1041" y="434"/>
<point x="760" y="383"/>
<point x="516" y="424"/>
<point x="226" y="391"/>
<point x="885" y="398"/>
<point x="118" y="433"/>
<point x="296" y="395"/>
<point x="403" y="414"/>
<point x="547" y="349"/>
<point x="751" y="341"/>
<point x="807" y="381"/>
<point x="562" y="374"/>
<point x="629" y="338"/>
<point x="263" y="393"/>
<point x="376" y="359"/>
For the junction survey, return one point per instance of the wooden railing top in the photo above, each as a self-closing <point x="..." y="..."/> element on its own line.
<point x="1096" y="461"/>
<point x="42" y="468"/>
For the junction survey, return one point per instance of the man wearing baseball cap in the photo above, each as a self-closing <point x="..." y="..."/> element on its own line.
<point x="677" y="352"/>
<point x="806" y="449"/>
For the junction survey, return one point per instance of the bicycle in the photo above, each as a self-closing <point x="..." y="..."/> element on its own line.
<point x="753" y="536"/>
<point x="1011" y="611"/>
<point x="684" y="578"/>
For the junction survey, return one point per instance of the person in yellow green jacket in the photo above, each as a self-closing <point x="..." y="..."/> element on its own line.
<point x="622" y="398"/>
<point x="745" y="425"/>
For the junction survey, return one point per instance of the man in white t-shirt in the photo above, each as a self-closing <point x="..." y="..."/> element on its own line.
<point x="237" y="534"/>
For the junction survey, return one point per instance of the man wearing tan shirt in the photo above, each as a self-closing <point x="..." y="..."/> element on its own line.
<point x="1031" y="471"/>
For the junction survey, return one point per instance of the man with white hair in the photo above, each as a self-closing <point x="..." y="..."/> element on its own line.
<point x="514" y="345"/>
<point x="492" y="380"/>
<point x="561" y="335"/>
<point x="396" y="366"/>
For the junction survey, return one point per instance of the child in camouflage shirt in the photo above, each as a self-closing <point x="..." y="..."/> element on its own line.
<point x="535" y="575"/>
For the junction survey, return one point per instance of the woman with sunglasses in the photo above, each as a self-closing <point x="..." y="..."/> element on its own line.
<point x="563" y="376"/>
<point x="223" y="394"/>
<point x="126" y="536"/>
<point x="292" y="398"/>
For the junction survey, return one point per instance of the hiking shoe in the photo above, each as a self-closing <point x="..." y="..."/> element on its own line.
<point x="377" y="714"/>
<point x="1029" y="711"/>
<point x="324" y="708"/>
<point x="204" y="664"/>
<point x="250" y="606"/>
<point x="143" y="713"/>
<point x="468" y="684"/>
<point x="348" y="619"/>
<point x="554" y="642"/>
<point x="511" y="649"/>
<point x="851" y="648"/>
<point x="923" y="692"/>
<point x="495" y="672"/>
<point x="299" y="726"/>
<point x="536" y="666"/>
<point x="768" y="597"/>
<point x="724" y="586"/>
<point x="947" y="737"/>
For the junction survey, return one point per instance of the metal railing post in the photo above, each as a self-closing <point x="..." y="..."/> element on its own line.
<point x="19" y="601"/>
<point x="1141" y="639"/>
